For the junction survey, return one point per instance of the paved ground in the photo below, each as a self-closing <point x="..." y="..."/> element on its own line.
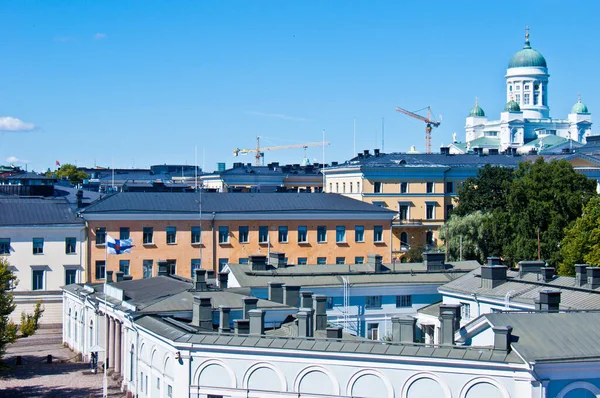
<point x="36" y="378"/>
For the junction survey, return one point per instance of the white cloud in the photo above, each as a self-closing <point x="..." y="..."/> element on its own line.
<point x="100" y="36"/>
<point x="8" y="123"/>
<point x="277" y="116"/>
<point x="13" y="160"/>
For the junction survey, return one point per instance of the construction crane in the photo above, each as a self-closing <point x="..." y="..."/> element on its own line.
<point x="430" y="124"/>
<point x="259" y="152"/>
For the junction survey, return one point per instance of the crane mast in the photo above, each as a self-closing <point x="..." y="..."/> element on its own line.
<point x="429" y="124"/>
<point x="260" y="152"/>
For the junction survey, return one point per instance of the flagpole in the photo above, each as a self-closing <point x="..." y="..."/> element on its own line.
<point x="105" y="379"/>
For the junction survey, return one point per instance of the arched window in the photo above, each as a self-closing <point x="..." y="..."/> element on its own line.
<point x="429" y="238"/>
<point x="91" y="339"/>
<point x="404" y="240"/>
<point x="69" y="324"/>
<point x="131" y="353"/>
<point x="75" y="326"/>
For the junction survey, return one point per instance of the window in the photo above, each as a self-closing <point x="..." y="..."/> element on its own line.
<point x="526" y="87"/>
<point x="196" y="264"/>
<point x="340" y="234"/>
<point x="330" y="188"/>
<point x="100" y="236"/>
<point x="403" y="211"/>
<point x="430" y="211"/>
<point x="171" y="235"/>
<point x="263" y="234"/>
<point x="124" y="233"/>
<point x="404" y="187"/>
<point x="283" y="234"/>
<point x="337" y="187"/>
<point x="380" y="203"/>
<point x="321" y="260"/>
<point x="359" y="260"/>
<point x="38" y="245"/>
<point x="302" y="234"/>
<point x="373" y="331"/>
<point x="429" y="187"/>
<point x="465" y="310"/>
<point x="404" y="301"/>
<point x="243" y="234"/>
<point x="350" y="187"/>
<point x="377" y="187"/>
<point x="100" y="270"/>
<point x="358" y="187"/>
<point x="196" y="236"/>
<point x="124" y="266"/>
<point x="449" y="187"/>
<point x="223" y="234"/>
<point x="373" y="301"/>
<point x="171" y="267"/>
<point x="148" y="236"/>
<point x="429" y="238"/>
<point x="340" y="260"/>
<point x="536" y="99"/>
<point x="169" y="391"/>
<point x="147" y="269"/>
<point x="377" y="233"/>
<point x="37" y="279"/>
<point x="302" y="260"/>
<point x="343" y="187"/>
<point x="243" y="260"/>
<point x="70" y="245"/>
<point x="359" y="233"/>
<point x="518" y="98"/>
<point x="449" y="209"/>
<point x="517" y="87"/>
<point x="4" y="245"/>
<point x="404" y="240"/>
<point x="321" y="234"/>
<point x="526" y="99"/>
<point x="70" y="276"/>
<point x="142" y="383"/>
<point x="222" y="263"/>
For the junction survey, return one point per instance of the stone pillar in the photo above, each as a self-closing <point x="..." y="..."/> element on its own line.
<point x="118" y="337"/>
<point x="111" y="342"/>
<point x="106" y="339"/>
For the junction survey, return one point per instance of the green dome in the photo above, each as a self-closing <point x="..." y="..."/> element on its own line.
<point x="476" y="111"/>
<point x="512" y="106"/>
<point x="527" y="57"/>
<point x="579" y="107"/>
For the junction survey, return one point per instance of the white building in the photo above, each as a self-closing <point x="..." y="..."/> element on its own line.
<point x="525" y="123"/>
<point x="43" y="241"/>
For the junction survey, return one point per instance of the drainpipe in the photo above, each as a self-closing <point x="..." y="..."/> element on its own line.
<point x="214" y="242"/>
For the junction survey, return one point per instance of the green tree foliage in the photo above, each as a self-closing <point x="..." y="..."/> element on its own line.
<point x="485" y="192"/>
<point x="471" y="228"/>
<point x="71" y="172"/>
<point x="581" y="244"/>
<point x="7" y="283"/>
<point x="415" y="254"/>
<point x="30" y="322"/>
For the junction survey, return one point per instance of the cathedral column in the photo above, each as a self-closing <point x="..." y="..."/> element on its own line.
<point x="111" y="343"/>
<point x="118" y="347"/>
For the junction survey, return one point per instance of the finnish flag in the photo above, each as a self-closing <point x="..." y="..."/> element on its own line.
<point x="118" y="246"/>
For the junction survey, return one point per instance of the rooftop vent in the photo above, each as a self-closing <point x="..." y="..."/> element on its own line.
<point x="434" y="261"/>
<point x="376" y="151"/>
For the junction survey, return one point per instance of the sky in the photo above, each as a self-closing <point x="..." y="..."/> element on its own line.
<point x="137" y="83"/>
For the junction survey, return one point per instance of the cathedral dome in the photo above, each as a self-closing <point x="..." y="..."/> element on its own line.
<point x="527" y="57"/>
<point x="476" y="111"/>
<point x="512" y="106"/>
<point x="579" y="107"/>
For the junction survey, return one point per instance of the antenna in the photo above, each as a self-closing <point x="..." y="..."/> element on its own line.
<point x="323" y="166"/>
<point x="354" y="153"/>
<point x="382" y="133"/>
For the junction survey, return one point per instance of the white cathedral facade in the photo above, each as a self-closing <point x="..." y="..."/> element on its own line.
<point x="525" y="124"/>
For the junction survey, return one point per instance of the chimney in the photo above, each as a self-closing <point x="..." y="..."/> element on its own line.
<point x="79" y="196"/>
<point x="493" y="151"/>
<point x="127" y="278"/>
<point x="109" y="278"/>
<point x="502" y="338"/>
<point x="434" y="261"/>
<point x="210" y="274"/>
<point x="320" y="307"/>
<point x="277" y="260"/>
<point x="257" y="322"/>
<point x="291" y="295"/>
<point x="360" y="155"/>
<point x="444" y="150"/>
<point x="162" y="268"/>
<point x="223" y="280"/>
<point x="202" y="312"/>
<point x="200" y="280"/>
<point x="549" y="300"/>
<point x="241" y="326"/>
<point x="306" y="299"/>
<point x="449" y="322"/>
<point x="548" y="274"/>
<point x="304" y="329"/>
<point x="491" y="261"/>
<point x="403" y="329"/>
<point x="119" y="276"/>
<point x="531" y="266"/>
<point x="258" y="262"/>
<point x="376" y="152"/>
<point x="366" y="153"/>
<point x="581" y="274"/>
<point x="492" y="276"/>
<point x="276" y="292"/>
<point x="335" y="333"/>
<point x="248" y="304"/>
<point x="224" y="319"/>
<point x="375" y="262"/>
<point x="593" y="277"/>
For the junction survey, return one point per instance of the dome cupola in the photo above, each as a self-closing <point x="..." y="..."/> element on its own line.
<point x="527" y="57"/>
<point x="512" y="106"/>
<point x="476" y="111"/>
<point x="579" y="107"/>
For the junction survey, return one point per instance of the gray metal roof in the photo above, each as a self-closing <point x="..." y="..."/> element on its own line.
<point x="23" y="211"/>
<point x="357" y="274"/>
<point x="560" y="337"/>
<point x="526" y="288"/>
<point x="180" y="202"/>
<point x="145" y="292"/>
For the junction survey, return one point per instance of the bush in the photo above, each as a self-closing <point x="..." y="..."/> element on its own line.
<point x="11" y="331"/>
<point x="30" y="322"/>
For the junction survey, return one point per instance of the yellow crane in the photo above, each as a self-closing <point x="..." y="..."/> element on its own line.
<point x="259" y="152"/>
<point x="428" y="121"/>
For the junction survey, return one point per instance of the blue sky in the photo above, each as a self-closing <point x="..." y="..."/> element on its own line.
<point x="145" y="82"/>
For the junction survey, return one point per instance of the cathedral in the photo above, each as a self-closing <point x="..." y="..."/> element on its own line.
<point x="525" y="124"/>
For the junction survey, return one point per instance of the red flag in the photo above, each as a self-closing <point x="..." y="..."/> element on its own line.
<point x="58" y="163"/>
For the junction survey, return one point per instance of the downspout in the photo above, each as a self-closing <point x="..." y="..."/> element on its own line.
<point x="214" y="242"/>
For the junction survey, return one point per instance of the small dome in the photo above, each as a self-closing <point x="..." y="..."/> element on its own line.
<point x="512" y="106"/>
<point x="476" y="111"/>
<point x="527" y="57"/>
<point x="579" y="107"/>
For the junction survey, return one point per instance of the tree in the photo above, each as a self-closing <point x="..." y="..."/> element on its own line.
<point x="7" y="283"/>
<point x="581" y="244"/>
<point x="71" y="172"/>
<point x="471" y="228"/>
<point x="414" y="254"/>
<point x="485" y="192"/>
